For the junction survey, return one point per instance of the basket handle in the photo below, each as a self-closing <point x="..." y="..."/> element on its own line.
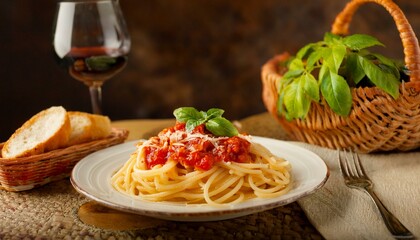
<point x="407" y="35"/>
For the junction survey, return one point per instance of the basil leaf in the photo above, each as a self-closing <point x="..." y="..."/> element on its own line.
<point x="338" y="53"/>
<point x="214" y="112"/>
<point x="334" y="56"/>
<point x="183" y="114"/>
<point x="303" y="52"/>
<point x="296" y="64"/>
<point x="192" y="124"/>
<point x="390" y="69"/>
<point x="296" y="102"/>
<point x="292" y="73"/>
<point x="313" y="58"/>
<point x="328" y="60"/>
<point x="280" y="104"/>
<point x="355" y="71"/>
<point x="391" y="65"/>
<point x="311" y="87"/>
<point x="220" y="126"/>
<point x="360" y="41"/>
<point x="384" y="59"/>
<point x="203" y="114"/>
<point x="290" y="100"/>
<point x="337" y="93"/>
<point x="322" y="71"/>
<point x="383" y="80"/>
<point x="330" y="37"/>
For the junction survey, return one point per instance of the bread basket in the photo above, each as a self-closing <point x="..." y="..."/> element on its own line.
<point x="377" y="122"/>
<point x="25" y="173"/>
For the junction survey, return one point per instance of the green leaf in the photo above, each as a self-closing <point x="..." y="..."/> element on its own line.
<point x="296" y="102"/>
<point x="220" y="126"/>
<point x="280" y="104"/>
<point x="193" y="123"/>
<point x="330" y="37"/>
<point x="214" y="112"/>
<point x="384" y="59"/>
<point x="322" y="71"/>
<point x="392" y="66"/>
<point x="303" y="52"/>
<point x="296" y="64"/>
<point x="336" y="58"/>
<point x="291" y="102"/>
<point x="292" y="73"/>
<point x="337" y="93"/>
<point x="360" y="41"/>
<point x="313" y="58"/>
<point x="183" y="114"/>
<point x="339" y="52"/>
<point x="383" y="80"/>
<point x="390" y="69"/>
<point x="355" y="71"/>
<point x="311" y="87"/>
<point x="328" y="60"/>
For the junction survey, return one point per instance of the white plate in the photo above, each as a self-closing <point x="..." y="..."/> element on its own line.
<point x="91" y="177"/>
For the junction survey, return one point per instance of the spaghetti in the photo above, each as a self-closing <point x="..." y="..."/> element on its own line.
<point x="198" y="167"/>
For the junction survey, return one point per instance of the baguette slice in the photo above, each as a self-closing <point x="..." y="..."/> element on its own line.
<point x="45" y="131"/>
<point x="86" y="127"/>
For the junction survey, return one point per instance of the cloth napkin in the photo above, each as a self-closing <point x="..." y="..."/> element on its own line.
<point x="339" y="212"/>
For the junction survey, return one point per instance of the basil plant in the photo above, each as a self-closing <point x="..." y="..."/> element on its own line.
<point x="329" y="68"/>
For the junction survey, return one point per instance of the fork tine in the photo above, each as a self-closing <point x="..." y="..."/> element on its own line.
<point x="359" y="167"/>
<point x="351" y="161"/>
<point x="351" y="165"/>
<point x="343" y="164"/>
<point x="340" y="162"/>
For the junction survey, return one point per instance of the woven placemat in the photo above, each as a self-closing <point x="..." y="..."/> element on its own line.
<point x="51" y="212"/>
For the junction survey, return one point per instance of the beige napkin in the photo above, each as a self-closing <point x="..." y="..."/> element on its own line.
<point x="339" y="212"/>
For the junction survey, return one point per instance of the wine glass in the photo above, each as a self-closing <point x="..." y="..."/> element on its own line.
<point x="91" y="41"/>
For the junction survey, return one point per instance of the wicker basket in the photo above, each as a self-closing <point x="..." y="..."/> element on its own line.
<point x="25" y="173"/>
<point x="377" y="122"/>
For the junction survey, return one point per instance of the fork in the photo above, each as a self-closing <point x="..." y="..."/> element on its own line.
<point x="355" y="177"/>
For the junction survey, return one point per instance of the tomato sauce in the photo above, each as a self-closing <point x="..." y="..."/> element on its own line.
<point x="198" y="153"/>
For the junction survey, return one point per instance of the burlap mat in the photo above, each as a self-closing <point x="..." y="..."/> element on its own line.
<point x="50" y="212"/>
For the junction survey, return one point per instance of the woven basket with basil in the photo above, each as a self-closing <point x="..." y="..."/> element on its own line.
<point x="337" y="94"/>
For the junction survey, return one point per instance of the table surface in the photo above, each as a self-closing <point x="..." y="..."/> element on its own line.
<point x="54" y="211"/>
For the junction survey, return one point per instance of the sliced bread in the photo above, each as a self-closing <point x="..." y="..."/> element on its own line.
<point x="45" y="131"/>
<point x="87" y="127"/>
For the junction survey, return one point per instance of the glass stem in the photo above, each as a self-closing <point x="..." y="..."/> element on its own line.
<point x="96" y="98"/>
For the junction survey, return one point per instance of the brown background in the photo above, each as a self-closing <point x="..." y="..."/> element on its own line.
<point x="202" y="53"/>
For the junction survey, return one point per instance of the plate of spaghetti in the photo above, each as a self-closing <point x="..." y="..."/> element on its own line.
<point x="200" y="169"/>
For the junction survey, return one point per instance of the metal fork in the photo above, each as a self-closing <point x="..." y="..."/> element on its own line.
<point x="355" y="177"/>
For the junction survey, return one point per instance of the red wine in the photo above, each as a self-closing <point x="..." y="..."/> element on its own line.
<point x="92" y="65"/>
